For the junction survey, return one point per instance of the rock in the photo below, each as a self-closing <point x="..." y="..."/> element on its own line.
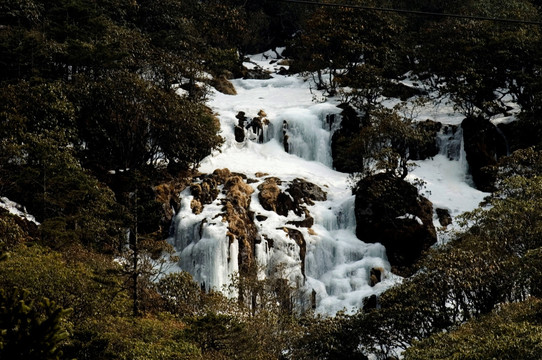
<point x="330" y="120"/>
<point x="283" y="71"/>
<point x="239" y="133"/>
<point x="256" y="126"/>
<point x="221" y="175"/>
<point x="483" y="147"/>
<point x="308" y="222"/>
<point x="167" y="195"/>
<point x="205" y="192"/>
<point x="196" y="206"/>
<point x="444" y="217"/>
<point x="298" y="194"/>
<point x="350" y="119"/>
<point x="401" y="91"/>
<point x="269" y="191"/>
<point x="370" y="303"/>
<point x="375" y="276"/>
<point x="241" y="118"/>
<point x="389" y="211"/>
<point x="238" y="192"/>
<point x="257" y="73"/>
<point x="285" y="136"/>
<point x="223" y="85"/>
<point x="241" y="221"/>
<point x="298" y="237"/>
<point x="303" y="191"/>
<point x="285" y="203"/>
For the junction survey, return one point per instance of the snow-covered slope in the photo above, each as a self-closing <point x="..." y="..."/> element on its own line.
<point x="337" y="264"/>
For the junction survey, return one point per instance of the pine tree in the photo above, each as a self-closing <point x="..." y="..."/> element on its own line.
<point x="30" y="330"/>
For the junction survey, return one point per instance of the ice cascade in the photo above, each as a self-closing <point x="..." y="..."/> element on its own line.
<point x="293" y="143"/>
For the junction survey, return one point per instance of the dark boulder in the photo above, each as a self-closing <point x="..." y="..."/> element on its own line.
<point x="444" y="217"/>
<point x="239" y="133"/>
<point x="391" y="212"/>
<point x="305" y="192"/>
<point x="484" y="145"/>
<point x="298" y="194"/>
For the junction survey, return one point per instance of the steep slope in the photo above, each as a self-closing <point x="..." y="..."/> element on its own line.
<point x="276" y="204"/>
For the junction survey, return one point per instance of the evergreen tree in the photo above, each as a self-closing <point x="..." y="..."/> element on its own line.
<point x="30" y="330"/>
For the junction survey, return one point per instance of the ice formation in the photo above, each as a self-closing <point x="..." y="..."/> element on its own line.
<point x="337" y="264"/>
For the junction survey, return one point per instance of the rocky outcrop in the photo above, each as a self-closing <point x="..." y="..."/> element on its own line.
<point x="444" y="217"/>
<point x="256" y="127"/>
<point x="390" y="211"/>
<point x="375" y="276"/>
<point x="484" y="145"/>
<point x="235" y="194"/>
<point x="269" y="193"/>
<point x="235" y="209"/>
<point x="223" y="85"/>
<point x="298" y="194"/>
<point x="239" y="130"/>
<point x="401" y="91"/>
<point x="241" y="220"/>
<point x="167" y="195"/>
<point x="304" y="192"/>
<point x="256" y="73"/>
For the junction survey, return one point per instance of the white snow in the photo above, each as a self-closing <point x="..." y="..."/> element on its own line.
<point x="337" y="264"/>
<point x="16" y="209"/>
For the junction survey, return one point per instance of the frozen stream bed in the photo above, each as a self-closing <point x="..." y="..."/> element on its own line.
<point x="337" y="264"/>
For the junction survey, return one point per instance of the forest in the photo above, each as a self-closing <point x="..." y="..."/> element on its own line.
<point x="104" y="119"/>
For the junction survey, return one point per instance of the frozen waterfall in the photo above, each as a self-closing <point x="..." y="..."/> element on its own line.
<point x="337" y="265"/>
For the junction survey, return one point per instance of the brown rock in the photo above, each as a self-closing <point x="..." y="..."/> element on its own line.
<point x="375" y="276"/>
<point x="269" y="192"/>
<point x="222" y="84"/>
<point x="444" y="217"/>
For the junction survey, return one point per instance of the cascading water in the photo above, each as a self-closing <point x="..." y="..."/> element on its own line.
<point x="201" y="240"/>
<point x="333" y="272"/>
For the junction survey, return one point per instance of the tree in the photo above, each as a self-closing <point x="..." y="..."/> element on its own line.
<point x="511" y="332"/>
<point x="30" y="330"/>
<point x="382" y="144"/>
<point x="140" y="125"/>
<point x="335" y="40"/>
<point x="180" y="293"/>
<point x="90" y="289"/>
<point x="331" y="338"/>
<point x="477" y="82"/>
